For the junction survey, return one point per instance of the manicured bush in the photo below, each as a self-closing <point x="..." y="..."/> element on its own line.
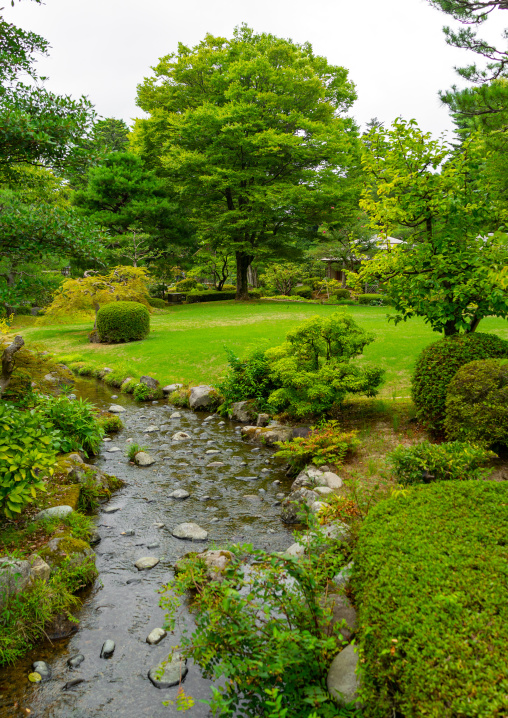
<point x="28" y="447"/>
<point x="123" y="322"/>
<point x="437" y="365"/>
<point x="305" y="292"/>
<point x="343" y="294"/>
<point x="429" y="579"/>
<point x="186" y="285"/>
<point x="209" y="296"/>
<point x="425" y="462"/>
<point x="228" y="288"/>
<point x="157" y="303"/>
<point x="477" y="403"/>
<point x="374" y="300"/>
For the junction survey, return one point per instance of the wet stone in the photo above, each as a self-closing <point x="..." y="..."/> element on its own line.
<point x="111" y="509"/>
<point x="168" y="673"/>
<point x="179" y="494"/>
<point x="156" y="636"/>
<point x="153" y="545"/>
<point x="181" y="436"/>
<point x="146" y="563"/>
<point x="132" y="581"/>
<point x="116" y="409"/>
<point x="75" y="661"/>
<point x="108" y="648"/>
<point x="113" y="449"/>
<point x="42" y="668"/>
<point x="129" y="532"/>
<point x="190" y="531"/>
<point x="143" y="459"/>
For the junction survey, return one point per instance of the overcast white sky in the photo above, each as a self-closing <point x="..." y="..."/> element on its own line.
<point x="394" y="49"/>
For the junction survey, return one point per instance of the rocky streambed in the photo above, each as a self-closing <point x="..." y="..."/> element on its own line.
<point x="234" y="491"/>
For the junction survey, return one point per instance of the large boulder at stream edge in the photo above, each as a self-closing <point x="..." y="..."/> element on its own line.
<point x="202" y="397"/>
<point x="243" y="411"/>
<point x="342" y="681"/>
<point x="293" y="506"/>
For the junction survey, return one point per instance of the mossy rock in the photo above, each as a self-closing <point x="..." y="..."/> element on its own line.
<point x="67" y="495"/>
<point x="64" y="550"/>
<point x="19" y="387"/>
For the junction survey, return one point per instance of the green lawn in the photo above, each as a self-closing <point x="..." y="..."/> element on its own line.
<point x="186" y="343"/>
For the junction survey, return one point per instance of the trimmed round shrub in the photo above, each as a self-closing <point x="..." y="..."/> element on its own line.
<point x="157" y="303"/>
<point x="430" y="581"/>
<point x="185" y="285"/>
<point x="477" y="403"/>
<point x="437" y="365"/>
<point x="343" y="294"/>
<point x="305" y="292"/>
<point x="123" y="322"/>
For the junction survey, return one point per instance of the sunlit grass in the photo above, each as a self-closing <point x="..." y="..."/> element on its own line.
<point x="186" y="342"/>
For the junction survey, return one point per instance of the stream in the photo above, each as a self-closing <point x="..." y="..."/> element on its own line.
<point x="123" y="604"/>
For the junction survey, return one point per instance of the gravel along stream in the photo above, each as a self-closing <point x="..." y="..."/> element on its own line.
<point x="232" y="488"/>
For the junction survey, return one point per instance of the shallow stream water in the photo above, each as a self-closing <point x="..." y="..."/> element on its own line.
<point x="127" y="612"/>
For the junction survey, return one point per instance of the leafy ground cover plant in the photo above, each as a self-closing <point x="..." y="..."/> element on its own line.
<point x="425" y="462"/>
<point x="265" y="629"/>
<point x="111" y="423"/>
<point x="430" y="582"/>
<point x="325" y="444"/>
<point x="246" y="379"/>
<point x="477" y="403"/>
<point x="77" y="421"/>
<point x="437" y="365"/>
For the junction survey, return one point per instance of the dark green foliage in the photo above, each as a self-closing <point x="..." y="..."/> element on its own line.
<point x="437" y="365"/>
<point x="430" y="578"/>
<point x="157" y="303"/>
<point x="123" y="322"/>
<point x="269" y="636"/>
<point x="425" y="462"/>
<point x="142" y="392"/>
<point x="305" y="292"/>
<point x="111" y="423"/>
<point x="76" y="420"/>
<point x="246" y="379"/>
<point x="342" y="294"/>
<point x="209" y="295"/>
<point x="477" y="403"/>
<point x="185" y="285"/>
<point x="28" y="447"/>
<point x="254" y="294"/>
<point x="374" y="300"/>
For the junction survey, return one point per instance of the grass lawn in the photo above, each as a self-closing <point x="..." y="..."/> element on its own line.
<point x="186" y="342"/>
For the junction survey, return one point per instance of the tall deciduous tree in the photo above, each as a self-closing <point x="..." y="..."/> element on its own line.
<point x="444" y="270"/>
<point x="253" y="133"/>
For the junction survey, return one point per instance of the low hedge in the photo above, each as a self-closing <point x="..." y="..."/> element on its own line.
<point x="123" y="322"/>
<point x="209" y="296"/>
<point x="157" y="303"/>
<point x="305" y="292"/>
<point x="430" y="577"/>
<point x="374" y="299"/>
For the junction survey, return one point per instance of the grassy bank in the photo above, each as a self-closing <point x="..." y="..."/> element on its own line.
<point x="186" y="343"/>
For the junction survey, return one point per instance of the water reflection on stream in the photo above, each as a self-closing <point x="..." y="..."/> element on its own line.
<point x="127" y="612"/>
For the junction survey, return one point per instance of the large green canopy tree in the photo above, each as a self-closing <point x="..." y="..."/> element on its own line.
<point x="253" y="134"/>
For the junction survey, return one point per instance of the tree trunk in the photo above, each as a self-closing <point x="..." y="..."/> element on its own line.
<point x="242" y="265"/>
<point x="450" y="329"/>
<point x="8" y="363"/>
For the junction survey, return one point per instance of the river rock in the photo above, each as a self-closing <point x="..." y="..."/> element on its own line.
<point x="129" y="532"/>
<point x="292" y="506"/>
<point x="156" y="636"/>
<point x="111" y="509"/>
<point x="54" y="512"/>
<point x="179" y="494"/>
<point x="216" y="562"/>
<point x="242" y="411"/>
<point x="263" y="420"/>
<point x="39" y="569"/>
<point x="116" y="409"/>
<point x="309" y="477"/>
<point x="170" y="388"/>
<point x="342" y="681"/>
<point x="14" y="577"/>
<point x="175" y="415"/>
<point x="169" y="673"/>
<point x="181" y="436"/>
<point x="66" y="550"/>
<point x="75" y="661"/>
<point x="332" y="480"/>
<point x="342" y="611"/>
<point x="342" y="578"/>
<point x="212" y="451"/>
<point x="147" y="562"/>
<point x="215" y="464"/>
<point x="190" y="531"/>
<point x="323" y="490"/>
<point x="42" y="668"/>
<point x="151" y="429"/>
<point x="112" y="449"/>
<point x="143" y="459"/>
<point x="202" y="397"/>
<point x="150" y="382"/>
<point x="108" y="648"/>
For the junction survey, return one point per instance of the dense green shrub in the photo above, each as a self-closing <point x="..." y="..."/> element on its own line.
<point x="142" y="392"/>
<point x="77" y="421"/>
<point x="28" y="448"/>
<point x="123" y="322"/>
<point x="111" y="423"/>
<point x="157" y="303"/>
<point x="343" y="294"/>
<point x="326" y="444"/>
<point x="228" y="288"/>
<point x="246" y="379"/>
<point x="430" y="577"/>
<point x="437" y="365"/>
<point x="186" y="285"/>
<point x="312" y="370"/>
<point x="477" y="403"/>
<point x="255" y="294"/>
<point x="374" y="300"/>
<point x="425" y="462"/>
<point x="305" y="292"/>
<point x="209" y="295"/>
